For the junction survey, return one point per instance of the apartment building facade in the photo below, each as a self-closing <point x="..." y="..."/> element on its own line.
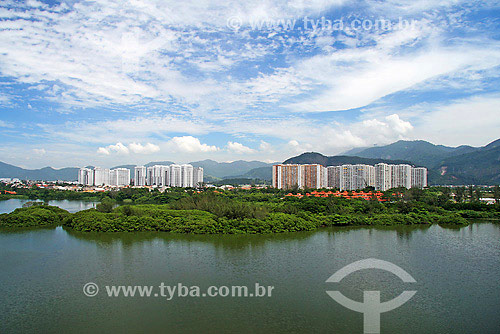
<point x="348" y="177"/>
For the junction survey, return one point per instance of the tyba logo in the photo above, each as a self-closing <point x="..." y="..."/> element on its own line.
<point x="371" y="307"/>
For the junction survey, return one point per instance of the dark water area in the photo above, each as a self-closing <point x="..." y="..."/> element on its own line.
<point x="43" y="271"/>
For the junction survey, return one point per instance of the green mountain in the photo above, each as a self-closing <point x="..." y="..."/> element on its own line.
<point x="318" y="158"/>
<point x="261" y="173"/>
<point x="228" y="169"/>
<point x="419" y="152"/>
<point x="447" y="165"/>
<point x="481" y="167"/>
<point x="47" y="173"/>
<point x="163" y="163"/>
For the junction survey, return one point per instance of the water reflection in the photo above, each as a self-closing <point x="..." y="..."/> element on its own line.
<point x="72" y="206"/>
<point x="226" y="242"/>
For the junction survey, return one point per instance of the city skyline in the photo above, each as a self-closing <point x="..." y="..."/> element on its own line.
<point x="173" y="175"/>
<point x="235" y="82"/>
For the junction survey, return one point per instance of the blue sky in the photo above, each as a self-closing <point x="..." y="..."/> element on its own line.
<point x="111" y="82"/>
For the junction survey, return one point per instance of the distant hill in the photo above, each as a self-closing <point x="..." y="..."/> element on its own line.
<point x="242" y="181"/>
<point x="47" y="173"/>
<point x="481" y="167"/>
<point x="419" y="152"/>
<point x="163" y="163"/>
<point x="228" y="169"/>
<point x="318" y="158"/>
<point x="260" y="173"/>
<point x="447" y="165"/>
<point x="213" y="170"/>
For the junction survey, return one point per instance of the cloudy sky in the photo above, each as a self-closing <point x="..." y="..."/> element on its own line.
<point x="110" y="82"/>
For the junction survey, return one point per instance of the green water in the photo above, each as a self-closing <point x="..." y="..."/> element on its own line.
<point x="42" y="273"/>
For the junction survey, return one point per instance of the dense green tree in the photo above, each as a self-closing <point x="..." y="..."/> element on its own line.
<point x="496" y="194"/>
<point x="106" y="205"/>
<point x="459" y="194"/>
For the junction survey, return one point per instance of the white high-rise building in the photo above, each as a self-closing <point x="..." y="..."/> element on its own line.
<point x="158" y="175"/>
<point x="101" y="176"/>
<point x="86" y="177"/>
<point x="165" y="175"/>
<point x="104" y="177"/>
<point x="333" y="173"/>
<point x="175" y="176"/>
<point x="198" y="176"/>
<point x="383" y="177"/>
<point x="401" y="176"/>
<point x="140" y="176"/>
<point x="119" y="177"/>
<point x="347" y="180"/>
<point x="187" y="176"/>
<point x="113" y="177"/>
<point x="419" y="177"/>
<point x="364" y="176"/>
<point x="154" y="175"/>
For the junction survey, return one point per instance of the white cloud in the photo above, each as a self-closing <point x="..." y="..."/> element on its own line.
<point x="471" y="121"/>
<point x="266" y="147"/>
<point x="293" y="146"/>
<point x="120" y="148"/>
<point x="357" y="78"/>
<point x="189" y="144"/>
<point x="116" y="148"/>
<point x="148" y="148"/>
<point x="239" y="148"/>
<point x="4" y="99"/>
<point x="136" y="129"/>
<point x="39" y="151"/>
<point x="398" y="124"/>
<point x="4" y="124"/>
<point x="103" y="150"/>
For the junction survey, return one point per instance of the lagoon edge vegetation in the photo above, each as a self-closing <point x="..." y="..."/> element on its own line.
<point x="247" y="212"/>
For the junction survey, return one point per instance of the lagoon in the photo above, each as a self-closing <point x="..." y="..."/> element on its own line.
<point x="43" y="272"/>
<point x="7" y="206"/>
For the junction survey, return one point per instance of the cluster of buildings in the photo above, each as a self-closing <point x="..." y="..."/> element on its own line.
<point x="161" y="176"/>
<point x="119" y="177"/>
<point x="185" y="176"/>
<point x="349" y="177"/>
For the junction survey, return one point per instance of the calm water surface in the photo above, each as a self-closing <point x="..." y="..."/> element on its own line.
<point x="71" y="206"/>
<point x="42" y="273"/>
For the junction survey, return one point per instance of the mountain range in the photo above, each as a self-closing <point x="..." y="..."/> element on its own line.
<point x="418" y="152"/>
<point x="446" y="165"/>
<point x="213" y="170"/>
